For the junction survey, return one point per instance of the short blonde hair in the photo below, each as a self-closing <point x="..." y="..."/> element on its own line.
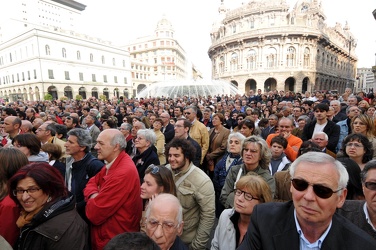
<point x="255" y="185"/>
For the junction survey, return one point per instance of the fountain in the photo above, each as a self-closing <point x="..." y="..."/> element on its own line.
<point x="190" y="88"/>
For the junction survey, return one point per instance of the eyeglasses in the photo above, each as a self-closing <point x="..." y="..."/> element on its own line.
<point x="370" y="185"/>
<point x="29" y="191"/>
<point x="320" y="190"/>
<point x="154" y="169"/>
<point x="356" y="145"/>
<point x="247" y="196"/>
<point x="166" y="226"/>
<point x="187" y="113"/>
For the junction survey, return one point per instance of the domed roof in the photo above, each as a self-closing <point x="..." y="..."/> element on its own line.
<point x="164" y="24"/>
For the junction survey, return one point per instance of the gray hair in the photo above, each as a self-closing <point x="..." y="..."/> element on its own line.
<point x="119" y="139"/>
<point x="321" y="133"/>
<point x="238" y="136"/>
<point x="83" y="137"/>
<point x="369" y="166"/>
<point x="149" y="135"/>
<point x="318" y="158"/>
<point x="265" y="154"/>
<point x="126" y="126"/>
<point x="163" y="198"/>
<point x="335" y="101"/>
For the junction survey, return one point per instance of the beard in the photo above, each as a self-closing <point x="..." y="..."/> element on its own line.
<point x="180" y="167"/>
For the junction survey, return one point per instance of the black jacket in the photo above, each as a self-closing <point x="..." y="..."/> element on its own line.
<point x="148" y="157"/>
<point x="57" y="226"/>
<point x="331" y="129"/>
<point x="169" y="132"/>
<point x="82" y="171"/>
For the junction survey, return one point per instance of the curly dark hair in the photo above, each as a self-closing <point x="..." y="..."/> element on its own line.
<point x="367" y="145"/>
<point x="188" y="150"/>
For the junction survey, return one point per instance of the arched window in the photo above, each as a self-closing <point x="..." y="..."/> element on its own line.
<point x="47" y="48"/>
<point x="234" y="61"/>
<point x="307" y="55"/>
<point x="291" y="55"/>
<point x="251" y="59"/>
<point x="221" y="64"/>
<point x="64" y="53"/>
<point x="91" y="58"/>
<point x="271" y="58"/>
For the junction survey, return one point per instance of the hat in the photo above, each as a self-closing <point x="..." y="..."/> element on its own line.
<point x="303" y="117"/>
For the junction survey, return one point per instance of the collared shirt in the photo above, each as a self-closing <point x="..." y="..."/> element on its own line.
<point x="304" y="243"/>
<point x="367" y="216"/>
<point x="108" y="165"/>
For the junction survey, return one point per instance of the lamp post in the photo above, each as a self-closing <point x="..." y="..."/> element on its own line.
<point x="349" y="82"/>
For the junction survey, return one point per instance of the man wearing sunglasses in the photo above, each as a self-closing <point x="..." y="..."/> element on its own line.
<point x="363" y="213"/>
<point x="309" y="221"/>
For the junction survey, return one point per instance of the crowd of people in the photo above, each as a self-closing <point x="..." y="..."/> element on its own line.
<point x="274" y="170"/>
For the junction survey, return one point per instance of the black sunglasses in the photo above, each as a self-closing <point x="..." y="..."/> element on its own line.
<point x="154" y="169"/>
<point x="320" y="190"/>
<point x="370" y="185"/>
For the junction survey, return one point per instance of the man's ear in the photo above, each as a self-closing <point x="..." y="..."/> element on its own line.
<point x="180" y="228"/>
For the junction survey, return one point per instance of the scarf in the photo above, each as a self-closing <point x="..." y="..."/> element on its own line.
<point x="25" y="217"/>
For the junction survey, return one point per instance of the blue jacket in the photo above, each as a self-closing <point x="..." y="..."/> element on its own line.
<point x="343" y="132"/>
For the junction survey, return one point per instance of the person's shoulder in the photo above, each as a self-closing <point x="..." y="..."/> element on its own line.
<point x="274" y="208"/>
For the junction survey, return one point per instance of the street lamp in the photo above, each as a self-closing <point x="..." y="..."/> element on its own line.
<point x="351" y="43"/>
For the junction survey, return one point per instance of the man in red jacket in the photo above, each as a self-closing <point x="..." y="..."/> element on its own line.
<point x="113" y="198"/>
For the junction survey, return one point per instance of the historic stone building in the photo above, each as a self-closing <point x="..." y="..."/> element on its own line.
<point x="158" y="58"/>
<point x="43" y="54"/>
<point x="267" y="45"/>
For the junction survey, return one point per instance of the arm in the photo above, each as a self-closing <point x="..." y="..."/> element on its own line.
<point x="227" y="193"/>
<point x="293" y="147"/>
<point x="333" y="137"/>
<point x="160" y="144"/>
<point x="206" y="200"/>
<point x="111" y="196"/>
<point x="204" y="141"/>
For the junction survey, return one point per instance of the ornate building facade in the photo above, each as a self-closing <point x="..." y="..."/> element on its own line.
<point x="269" y="46"/>
<point x="158" y="57"/>
<point x="43" y="56"/>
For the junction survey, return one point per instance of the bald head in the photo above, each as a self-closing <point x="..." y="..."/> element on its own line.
<point x="110" y="143"/>
<point x="26" y="126"/>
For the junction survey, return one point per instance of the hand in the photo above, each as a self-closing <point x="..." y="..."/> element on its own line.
<point x="93" y="195"/>
<point x="286" y="134"/>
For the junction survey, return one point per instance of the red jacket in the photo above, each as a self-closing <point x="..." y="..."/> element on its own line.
<point x="118" y="206"/>
<point x="9" y="213"/>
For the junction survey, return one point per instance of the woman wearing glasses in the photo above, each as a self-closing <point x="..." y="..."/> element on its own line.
<point x="158" y="179"/>
<point x="364" y="125"/>
<point x="48" y="218"/>
<point x="11" y="161"/>
<point x="358" y="148"/>
<point x="233" y="223"/>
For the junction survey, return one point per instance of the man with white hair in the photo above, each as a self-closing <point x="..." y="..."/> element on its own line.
<point x="338" y="114"/>
<point x="309" y="221"/>
<point x="321" y="139"/>
<point x="164" y="222"/>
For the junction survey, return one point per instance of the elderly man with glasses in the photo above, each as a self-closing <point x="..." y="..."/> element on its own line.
<point x="310" y="220"/>
<point x="164" y="222"/>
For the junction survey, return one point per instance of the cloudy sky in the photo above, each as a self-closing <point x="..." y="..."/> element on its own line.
<point x="121" y="21"/>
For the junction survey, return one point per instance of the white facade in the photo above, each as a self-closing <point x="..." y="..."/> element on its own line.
<point x="158" y="57"/>
<point x="268" y="45"/>
<point x="365" y="80"/>
<point x="45" y="55"/>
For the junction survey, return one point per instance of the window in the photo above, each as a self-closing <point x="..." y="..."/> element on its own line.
<point x="103" y="61"/>
<point x="64" y="53"/>
<point x="291" y="54"/>
<point x="28" y="74"/>
<point x="162" y="43"/>
<point x="113" y="62"/>
<point x="10" y="57"/>
<point x="66" y="73"/>
<point x="251" y="60"/>
<point x="93" y="78"/>
<point x="115" y="79"/>
<point x="47" y="48"/>
<point x="18" y="77"/>
<point x="35" y="74"/>
<point x="271" y="58"/>
<point x="12" y="78"/>
<point x="233" y="28"/>
<point x="104" y="78"/>
<point x="91" y="58"/>
<point x="125" y="80"/>
<point x="81" y="76"/>
<point x="23" y="76"/>
<point x="78" y="55"/>
<point x="123" y="63"/>
<point x="234" y="62"/>
<point x="307" y="53"/>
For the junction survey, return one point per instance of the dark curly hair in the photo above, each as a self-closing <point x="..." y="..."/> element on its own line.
<point x="188" y="150"/>
<point x="367" y="145"/>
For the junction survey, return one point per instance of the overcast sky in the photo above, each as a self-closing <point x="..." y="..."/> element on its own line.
<point x="123" y="20"/>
